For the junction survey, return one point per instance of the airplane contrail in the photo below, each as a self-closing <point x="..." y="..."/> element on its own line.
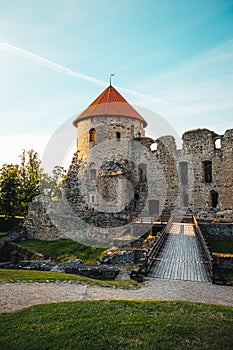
<point x="62" y="69"/>
<point x="45" y="62"/>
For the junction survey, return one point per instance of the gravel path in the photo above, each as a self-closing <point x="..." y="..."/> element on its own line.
<point x="15" y="296"/>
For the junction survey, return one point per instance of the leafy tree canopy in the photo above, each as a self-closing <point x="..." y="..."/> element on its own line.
<point x="19" y="184"/>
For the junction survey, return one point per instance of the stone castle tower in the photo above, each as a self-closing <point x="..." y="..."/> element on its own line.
<point x="108" y="175"/>
<point x="108" y="117"/>
<point x="117" y="173"/>
<point x="115" y="177"/>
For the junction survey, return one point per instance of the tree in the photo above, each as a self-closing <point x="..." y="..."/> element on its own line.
<point x="10" y="199"/>
<point x="19" y="184"/>
<point x="51" y="186"/>
<point x="30" y="172"/>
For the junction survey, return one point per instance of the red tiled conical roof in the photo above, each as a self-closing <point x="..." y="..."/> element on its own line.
<point x="110" y="102"/>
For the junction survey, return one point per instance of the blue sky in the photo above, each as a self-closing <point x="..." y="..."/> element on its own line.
<point x="175" y="57"/>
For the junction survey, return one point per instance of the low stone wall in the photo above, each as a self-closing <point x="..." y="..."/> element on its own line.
<point x="221" y="232"/>
<point x="14" y="234"/>
<point x="98" y="271"/>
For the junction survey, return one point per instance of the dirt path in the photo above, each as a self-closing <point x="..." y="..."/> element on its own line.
<point x="15" y="296"/>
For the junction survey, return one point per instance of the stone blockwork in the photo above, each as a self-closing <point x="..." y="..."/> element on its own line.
<point x="212" y="169"/>
<point x="197" y="178"/>
<point x="106" y="128"/>
<point x="38" y="223"/>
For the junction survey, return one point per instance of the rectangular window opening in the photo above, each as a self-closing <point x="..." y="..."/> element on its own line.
<point x="184" y="172"/>
<point x="207" y="171"/>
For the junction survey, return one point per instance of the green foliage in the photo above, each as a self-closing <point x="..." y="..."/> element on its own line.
<point x="197" y="130"/>
<point x="29" y="177"/>
<point x="10" y="198"/>
<point x="30" y="275"/>
<point x="19" y="184"/>
<point x="51" y="185"/>
<point x="119" y="324"/>
<point x="221" y="246"/>
<point x="64" y="249"/>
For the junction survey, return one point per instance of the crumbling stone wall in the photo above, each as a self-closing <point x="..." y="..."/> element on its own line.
<point x="38" y="223"/>
<point x="176" y="179"/>
<point x="188" y="185"/>
<point x="200" y="144"/>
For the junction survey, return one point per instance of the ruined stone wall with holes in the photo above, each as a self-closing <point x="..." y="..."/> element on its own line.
<point x="212" y="169"/>
<point x="130" y="179"/>
<point x="200" y="175"/>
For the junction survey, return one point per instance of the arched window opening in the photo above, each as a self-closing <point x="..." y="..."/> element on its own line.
<point x="214" y="198"/>
<point x="217" y="143"/>
<point x="118" y="136"/>
<point x="142" y="168"/>
<point x="92" y="135"/>
<point x="153" y="147"/>
<point x="92" y="174"/>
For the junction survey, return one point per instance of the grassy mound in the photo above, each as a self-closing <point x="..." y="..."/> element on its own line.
<point x="64" y="249"/>
<point x="30" y="275"/>
<point x="118" y="324"/>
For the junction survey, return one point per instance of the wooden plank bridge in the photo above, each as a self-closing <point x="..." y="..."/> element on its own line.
<point x="180" y="253"/>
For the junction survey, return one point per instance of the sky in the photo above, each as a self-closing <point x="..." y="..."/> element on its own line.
<point x="173" y="57"/>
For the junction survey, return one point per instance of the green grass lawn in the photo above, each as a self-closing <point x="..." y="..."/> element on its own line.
<point x="221" y="246"/>
<point x="64" y="249"/>
<point x="118" y="324"/>
<point x="228" y="275"/>
<point x="30" y="275"/>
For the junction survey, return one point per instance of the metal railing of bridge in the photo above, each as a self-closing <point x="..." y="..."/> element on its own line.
<point x="211" y="262"/>
<point x="207" y="255"/>
<point x="155" y="248"/>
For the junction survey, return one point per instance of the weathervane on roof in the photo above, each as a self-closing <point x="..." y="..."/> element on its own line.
<point x="111" y="75"/>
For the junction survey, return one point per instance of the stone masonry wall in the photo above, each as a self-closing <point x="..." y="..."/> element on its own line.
<point x="106" y="128"/>
<point x="129" y="168"/>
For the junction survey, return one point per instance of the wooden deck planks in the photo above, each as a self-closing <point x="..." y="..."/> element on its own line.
<point x="181" y="257"/>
